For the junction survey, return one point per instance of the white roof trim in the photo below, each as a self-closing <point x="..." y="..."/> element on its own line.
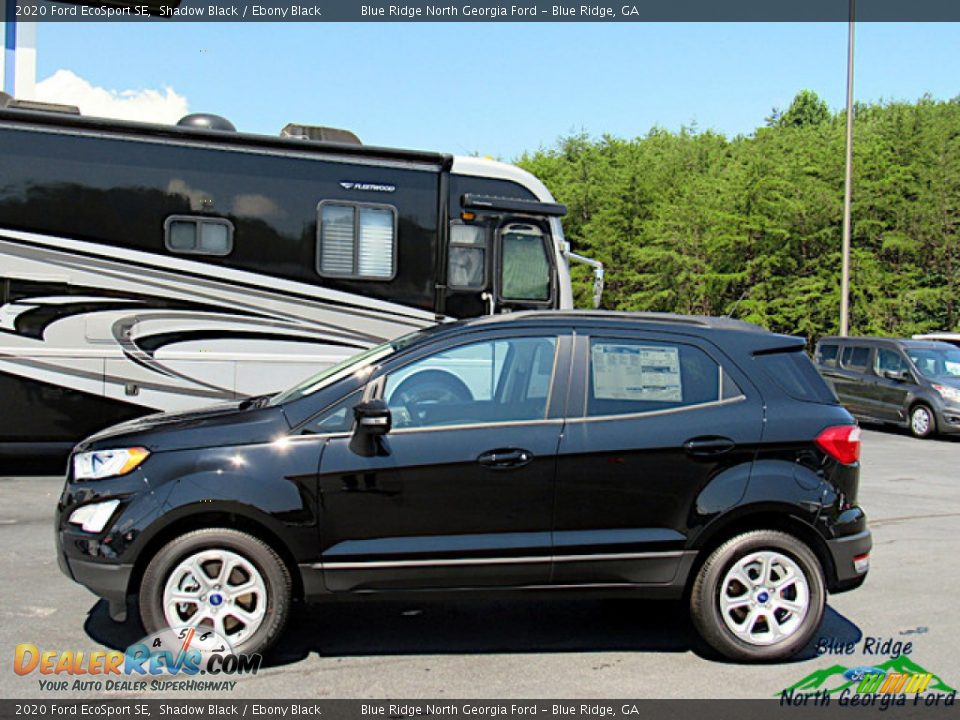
<point x="482" y="167"/>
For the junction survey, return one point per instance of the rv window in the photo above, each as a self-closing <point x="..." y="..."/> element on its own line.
<point x="198" y="236"/>
<point x="357" y="241"/>
<point x="525" y="273"/>
<point x="467" y="261"/>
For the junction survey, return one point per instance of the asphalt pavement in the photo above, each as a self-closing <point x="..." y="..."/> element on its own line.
<point x="535" y="647"/>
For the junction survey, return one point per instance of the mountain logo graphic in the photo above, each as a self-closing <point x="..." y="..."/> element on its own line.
<point x="899" y="674"/>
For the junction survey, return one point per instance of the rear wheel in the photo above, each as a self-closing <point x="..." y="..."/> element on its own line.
<point x="923" y="423"/>
<point x="222" y="580"/>
<point x="759" y="597"/>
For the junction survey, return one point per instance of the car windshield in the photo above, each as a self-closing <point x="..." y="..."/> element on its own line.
<point x="936" y="363"/>
<point x="344" y="368"/>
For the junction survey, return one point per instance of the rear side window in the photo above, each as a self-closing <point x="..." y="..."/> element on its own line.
<point x="636" y="376"/>
<point x="793" y="373"/>
<point x="827" y="355"/>
<point x="855" y="357"/>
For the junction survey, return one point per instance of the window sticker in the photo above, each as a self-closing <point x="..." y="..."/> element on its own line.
<point x="636" y="372"/>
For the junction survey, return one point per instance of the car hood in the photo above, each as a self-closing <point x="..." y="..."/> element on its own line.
<point x="949" y="381"/>
<point x="221" y="425"/>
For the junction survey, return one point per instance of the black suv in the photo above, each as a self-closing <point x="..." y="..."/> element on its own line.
<point x="913" y="384"/>
<point x="652" y="455"/>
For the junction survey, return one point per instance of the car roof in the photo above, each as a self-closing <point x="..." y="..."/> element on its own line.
<point x="593" y="317"/>
<point x="876" y="340"/>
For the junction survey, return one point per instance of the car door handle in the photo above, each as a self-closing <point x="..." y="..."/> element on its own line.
<point x="708" y="445"/>
<point x="505" y="458"/>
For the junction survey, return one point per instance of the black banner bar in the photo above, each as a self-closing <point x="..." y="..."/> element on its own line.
<point x="813" y="708"/>
<point x="487" y="11"/>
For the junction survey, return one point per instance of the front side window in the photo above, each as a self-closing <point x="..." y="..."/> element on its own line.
<point x="198" y="235"/>
<point x="495" y="381"/>
<point x="636" y="376"/>
<point x="525" y="267"/>
<point x="356" y="241"/>
<point x="889" y="360"/>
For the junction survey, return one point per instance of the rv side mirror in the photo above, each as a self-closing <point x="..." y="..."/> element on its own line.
<point x="373" y="418"/>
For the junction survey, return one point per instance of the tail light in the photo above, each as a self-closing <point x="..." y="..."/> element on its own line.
<point x="841" y="442"/>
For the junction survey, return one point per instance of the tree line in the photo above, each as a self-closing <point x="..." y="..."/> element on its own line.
<point x="695" y="222"/>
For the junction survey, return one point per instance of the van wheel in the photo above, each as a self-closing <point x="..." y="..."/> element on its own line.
<point x="923" y="423"/>
<point x="759" y="597"/>
<point x="220" y="579"/>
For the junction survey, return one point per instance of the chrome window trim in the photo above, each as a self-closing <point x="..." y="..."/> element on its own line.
<point x="663" y="411"/>
<point x="531" y="559"/>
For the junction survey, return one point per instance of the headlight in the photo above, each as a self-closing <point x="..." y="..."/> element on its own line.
<point x="947" y="392"/>
<point x="99" y="464"/>
<point x="94" y="517"/>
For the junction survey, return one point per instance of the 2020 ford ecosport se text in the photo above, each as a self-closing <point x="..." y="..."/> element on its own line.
<point x="664" y="456"/>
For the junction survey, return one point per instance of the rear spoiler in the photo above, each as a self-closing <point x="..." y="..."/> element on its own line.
<point x="780" y="344"/>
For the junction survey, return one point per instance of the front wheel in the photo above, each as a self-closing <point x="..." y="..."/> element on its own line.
<point x="222" y="580"/>
<point x="922" y="421"/>
<point x="759" y="597"/>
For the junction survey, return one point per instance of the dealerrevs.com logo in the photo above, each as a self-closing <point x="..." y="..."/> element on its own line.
<point x="169" y="660"/>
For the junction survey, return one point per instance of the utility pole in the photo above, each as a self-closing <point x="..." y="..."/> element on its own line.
<point x="18" y="52"/>
<point x="847" y="188"/>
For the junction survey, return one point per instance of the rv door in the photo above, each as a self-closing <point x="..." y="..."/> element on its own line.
<point x="525" y="272"/>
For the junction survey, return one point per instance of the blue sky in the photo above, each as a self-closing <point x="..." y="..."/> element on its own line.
<point x="499" y="88"/>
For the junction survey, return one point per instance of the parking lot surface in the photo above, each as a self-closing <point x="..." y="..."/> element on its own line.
<point x="535" y="647"/>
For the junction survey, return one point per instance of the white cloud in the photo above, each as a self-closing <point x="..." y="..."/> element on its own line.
<point x="145" y="105"/>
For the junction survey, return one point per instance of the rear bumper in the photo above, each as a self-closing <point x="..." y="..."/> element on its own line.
<point x="844" y="551"/>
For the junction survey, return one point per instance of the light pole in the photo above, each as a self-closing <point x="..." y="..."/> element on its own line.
<point x="847" y="187"/>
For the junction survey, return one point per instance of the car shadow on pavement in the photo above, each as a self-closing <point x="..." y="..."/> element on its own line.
<point x="478" y="626"/>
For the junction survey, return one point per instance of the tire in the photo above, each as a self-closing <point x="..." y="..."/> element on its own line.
<point x="923" y="423"/>
<point x="717" y="583"/>
<point x="251" y="564"/>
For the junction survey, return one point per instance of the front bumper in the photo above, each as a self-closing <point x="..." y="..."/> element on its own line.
<point x="109" y="581"/>
<point x="844" y="551"/>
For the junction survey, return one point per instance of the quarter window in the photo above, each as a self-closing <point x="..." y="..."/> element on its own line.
<point x="198" y="235"/>
<point x="634" y="376"/>
<point x="357" y="241"/>
<point x="505" y="380"/>
<point x="827" y="355"/>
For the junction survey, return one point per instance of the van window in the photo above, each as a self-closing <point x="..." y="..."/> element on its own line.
<point x="827" y="355"/>
<point x="198" y="235"/>
<point x="855" y="357"/>
<point x="356" y="241"/>
<point x="889" y="360"/>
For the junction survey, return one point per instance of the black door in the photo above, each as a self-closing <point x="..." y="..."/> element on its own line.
<point x="460" y="493"/>
<point x="658" y="421"/>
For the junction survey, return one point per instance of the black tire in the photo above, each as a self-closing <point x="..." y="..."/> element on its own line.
<point x="705" y="596"/>
<point x="927" y="427"/>
<point x="272" y="569"/>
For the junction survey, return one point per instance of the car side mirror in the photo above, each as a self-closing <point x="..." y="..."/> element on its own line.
<point x="373" y="421"/>
<point x="899" y="375"/>
<point x="373" y="418"/>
